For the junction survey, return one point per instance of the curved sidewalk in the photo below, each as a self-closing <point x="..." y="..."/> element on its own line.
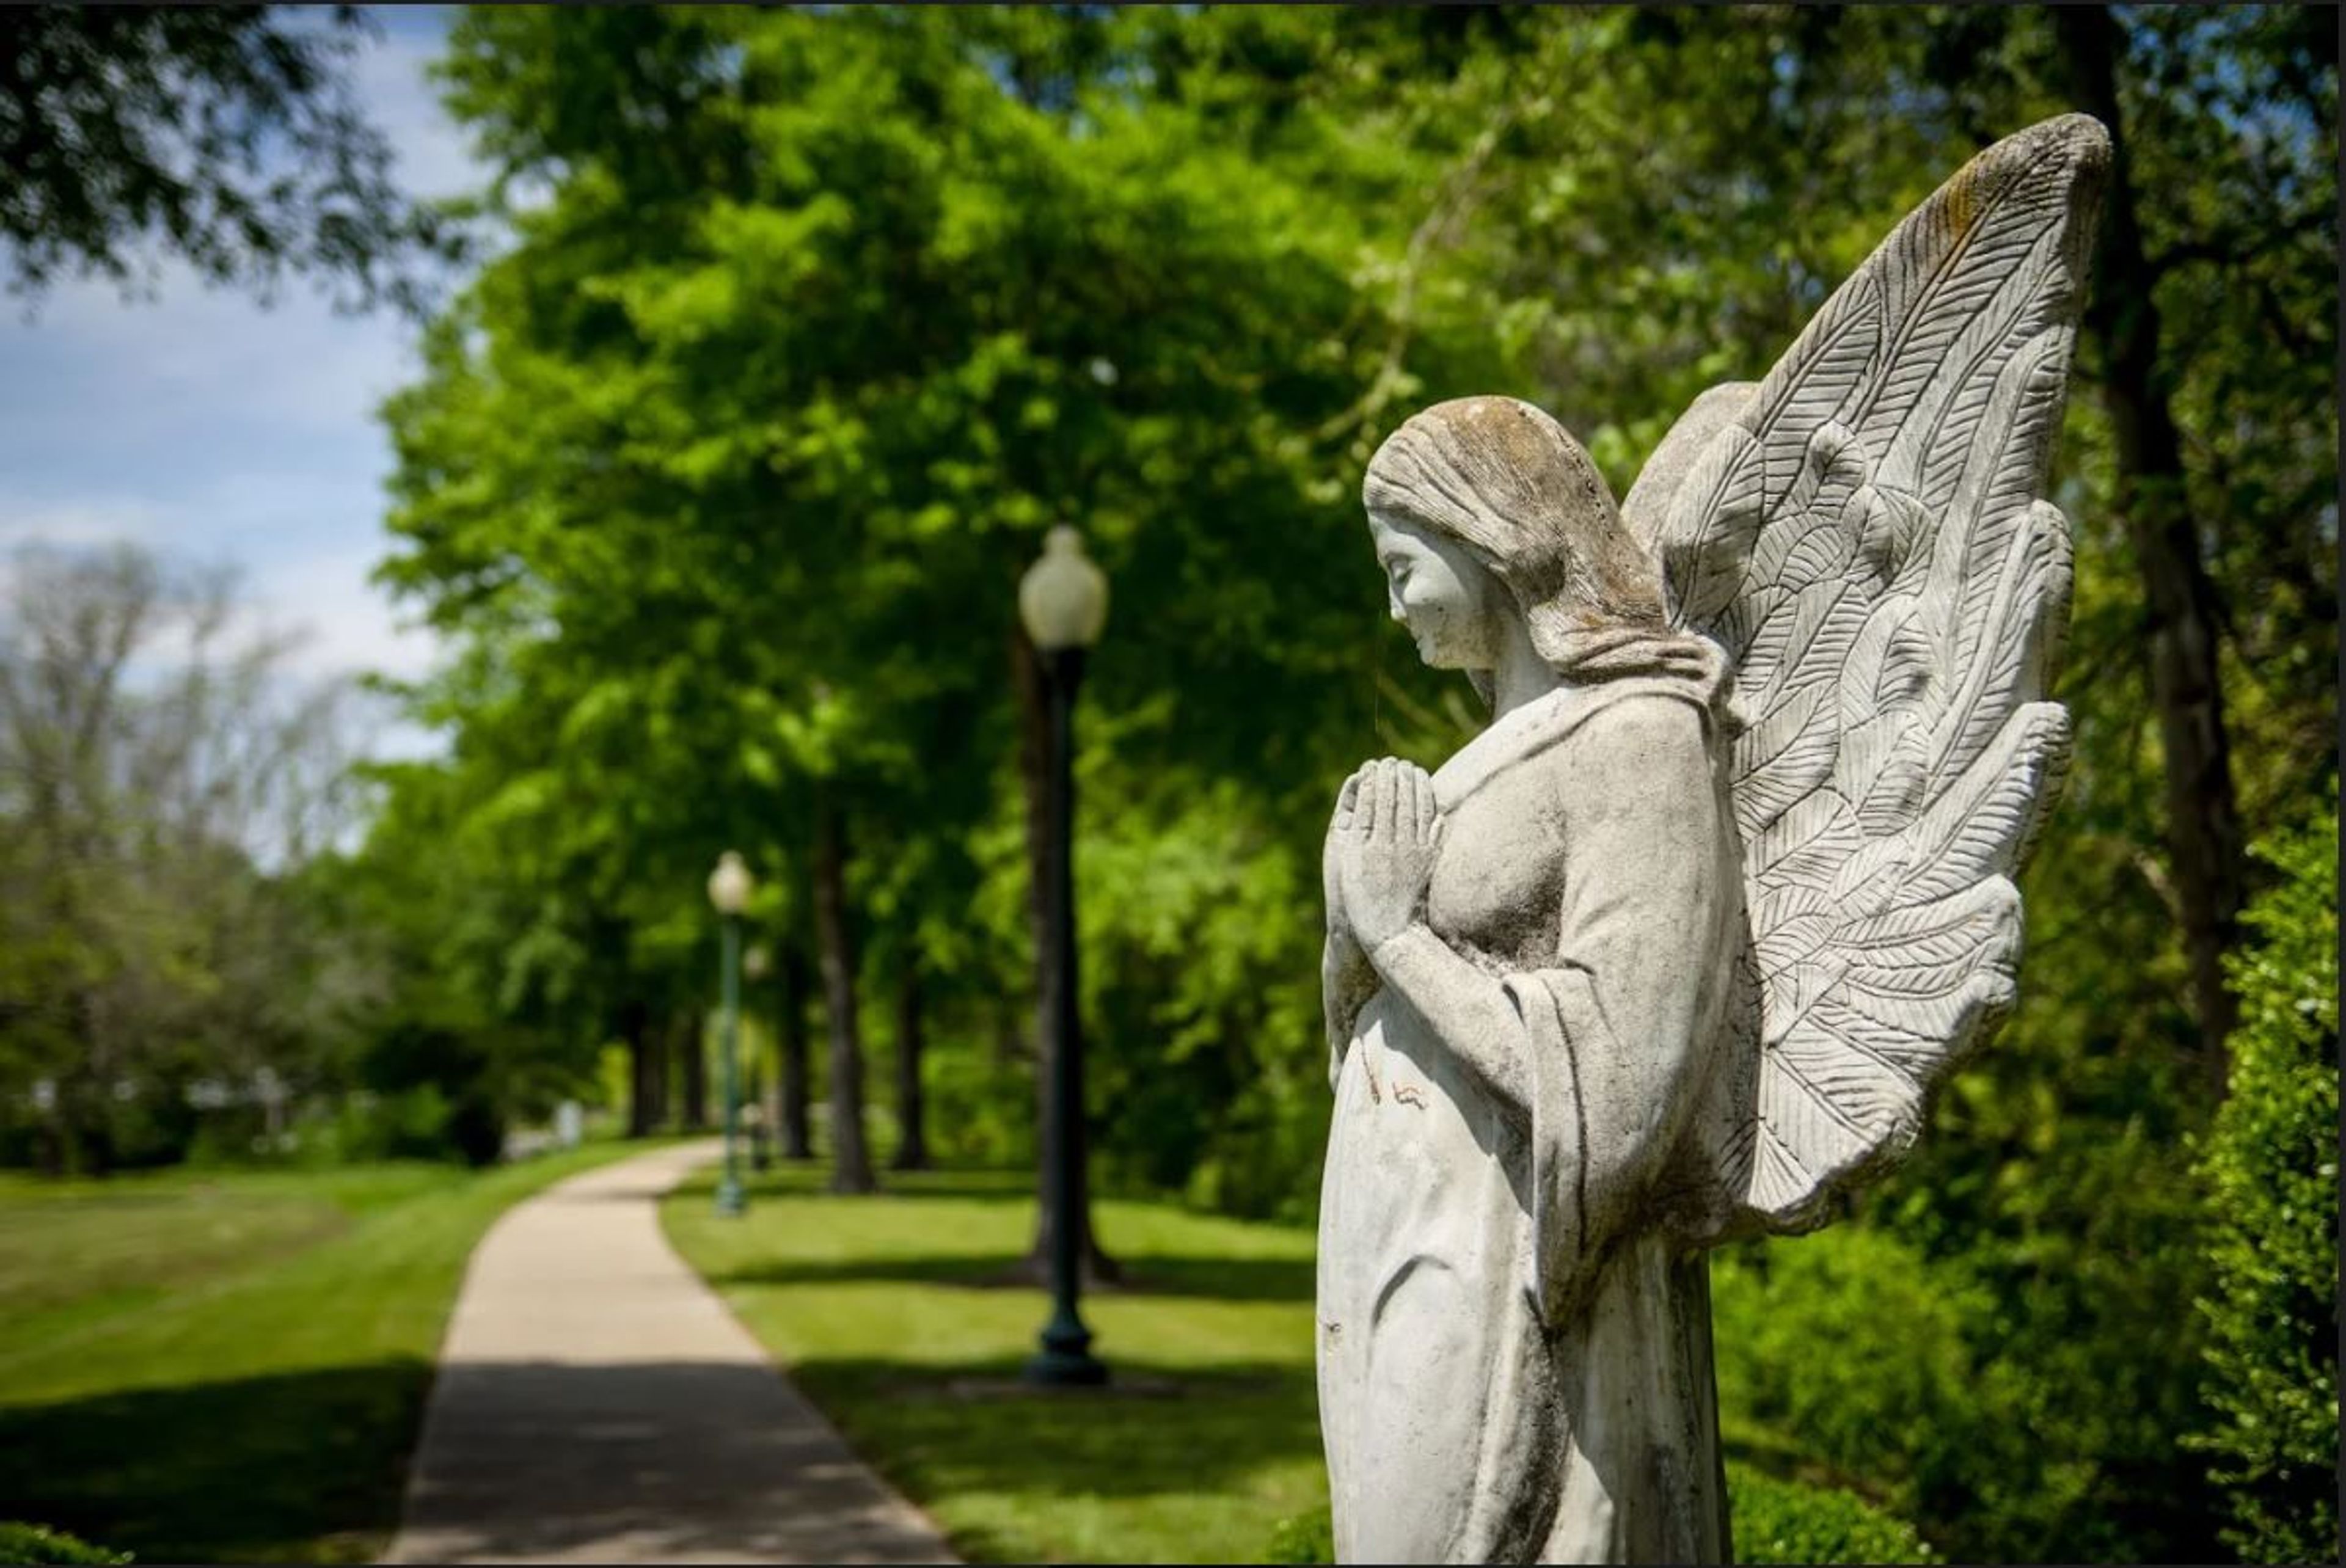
<point x="596" y="1402"/>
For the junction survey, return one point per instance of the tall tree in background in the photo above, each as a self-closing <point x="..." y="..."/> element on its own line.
<point x="792" y="1079"/>
<point x="912" y="1106"/>
<point x="164" y="780"/>
<point x="690" y="423"/>
<point x="2122" y="312"/>
<point x="851" y="1157"/>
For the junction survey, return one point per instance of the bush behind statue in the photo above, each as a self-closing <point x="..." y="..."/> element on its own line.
<point x="1780" y="1520"/>
<point x="2270" y="1167"/>
<point x="1775" y="1520"/>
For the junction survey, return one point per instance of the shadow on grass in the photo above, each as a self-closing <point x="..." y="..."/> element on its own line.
<point x="975" y="1429"/>
<point x="1145" y="1273"/>
<point x="684" y="1460"/>
<point x="669" y="1461"/>
<point x="302" y="1466"/>
<point x="800" y="1179"/>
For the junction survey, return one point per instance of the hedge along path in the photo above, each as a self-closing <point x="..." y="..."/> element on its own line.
<point x="596" y="1403"/>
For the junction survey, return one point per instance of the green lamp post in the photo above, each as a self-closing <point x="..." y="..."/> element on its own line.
<point x="728" y="890"/>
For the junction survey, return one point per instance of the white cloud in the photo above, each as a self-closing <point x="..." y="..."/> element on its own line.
<point x="83" y="522"/>
<point x="434" y="158"/>
<point x="352" y="624"/>
<point x="194" y="360"/>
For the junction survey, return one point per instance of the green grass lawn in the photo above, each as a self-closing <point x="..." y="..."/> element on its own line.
<point x="884" y="1311"/>
<point x="890" y="1312"/>
<point x="232" y="1366"/>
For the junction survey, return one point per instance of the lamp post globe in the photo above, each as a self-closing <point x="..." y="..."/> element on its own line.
<point x="729" y="885"/>
<point x="1062" y="601"/>
<point x="728" y="890"/>
<point x="1063" y="597"/>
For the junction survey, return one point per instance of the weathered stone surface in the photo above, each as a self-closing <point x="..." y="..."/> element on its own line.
<point x="1679" y="946"/>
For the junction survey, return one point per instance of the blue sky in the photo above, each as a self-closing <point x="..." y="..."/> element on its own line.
<point x="206" y="425"/>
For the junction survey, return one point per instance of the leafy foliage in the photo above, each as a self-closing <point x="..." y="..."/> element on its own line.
<point x="1302" y="1538"/>
<point x="1779" y="1521"/>
<point x="1930" y="1416"/>
<point x="227" y="136"/>
<point x="1776" y="1520"/>
<point x="39" y="1543"/>
<point x="756" y="486"/>
<point x="2270" y="1163"/>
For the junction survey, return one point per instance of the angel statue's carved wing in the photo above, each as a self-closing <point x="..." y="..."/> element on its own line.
<point x="1864" y="534"/>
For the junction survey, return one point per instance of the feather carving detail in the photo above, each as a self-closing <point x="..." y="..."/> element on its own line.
<point x="1869" y="543"/>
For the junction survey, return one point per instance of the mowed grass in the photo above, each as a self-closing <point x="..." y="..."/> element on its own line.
<point x="890" y="1312"/>
<point x="893" y="1314"/>
<point x="232" y="1366"/>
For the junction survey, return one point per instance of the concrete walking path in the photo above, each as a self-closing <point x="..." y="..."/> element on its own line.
<point x="596" y="1403"/>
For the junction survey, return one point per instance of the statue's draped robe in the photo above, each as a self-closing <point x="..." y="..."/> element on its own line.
<point x="1514" y="1358"/>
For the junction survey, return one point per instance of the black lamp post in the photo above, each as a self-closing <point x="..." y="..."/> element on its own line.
<point x="1063" y="600"/>
<point x="728" y="890"/>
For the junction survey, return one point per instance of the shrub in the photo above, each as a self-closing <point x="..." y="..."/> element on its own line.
<point x="404" y="1125"/>
<point x="1302" y="1538"/>
<point x="1775" y="1520"/>
<point x="1913" y="1401"/>
<point x="981" y="1105"/>
<point x="39" y="1543"/>
<point x="2270" y="1167"/>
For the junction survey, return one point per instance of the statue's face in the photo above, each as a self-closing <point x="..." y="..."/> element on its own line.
<point x="1439" y="591"/>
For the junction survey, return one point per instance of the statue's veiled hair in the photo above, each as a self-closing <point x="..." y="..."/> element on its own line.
<point x="1513" y="487"/>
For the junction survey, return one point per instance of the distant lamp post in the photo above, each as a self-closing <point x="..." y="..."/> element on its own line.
<point x="1063" y="600"/>
<point x="728" y="890"/>
<point x="753" y="970"/>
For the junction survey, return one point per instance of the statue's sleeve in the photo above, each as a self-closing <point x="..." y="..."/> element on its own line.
<point x="1346" y="983"/>
<point x="1619" y="1028"/>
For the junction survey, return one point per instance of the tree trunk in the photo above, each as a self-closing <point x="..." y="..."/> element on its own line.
<point x="768" y="1077"/>
<point x="2204" y="836"/>
<point x="687" y="1033"/>
<point x="911" y="1141"/>
<point x="88" y="1144"/>
<point x="664" y="1070"/>
<point x="797" y="1143"/>
<point x="1034" y="765"/>
<point x="635" y="1028"/>
<point x="850" y="1168"/>
<point x="1009" y="1037"/>
<point x="89" y="1147"/>
<point x="655" y="1098"/>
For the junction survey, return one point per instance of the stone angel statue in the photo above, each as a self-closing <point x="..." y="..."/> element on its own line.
<point x="1677" y="949"/>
